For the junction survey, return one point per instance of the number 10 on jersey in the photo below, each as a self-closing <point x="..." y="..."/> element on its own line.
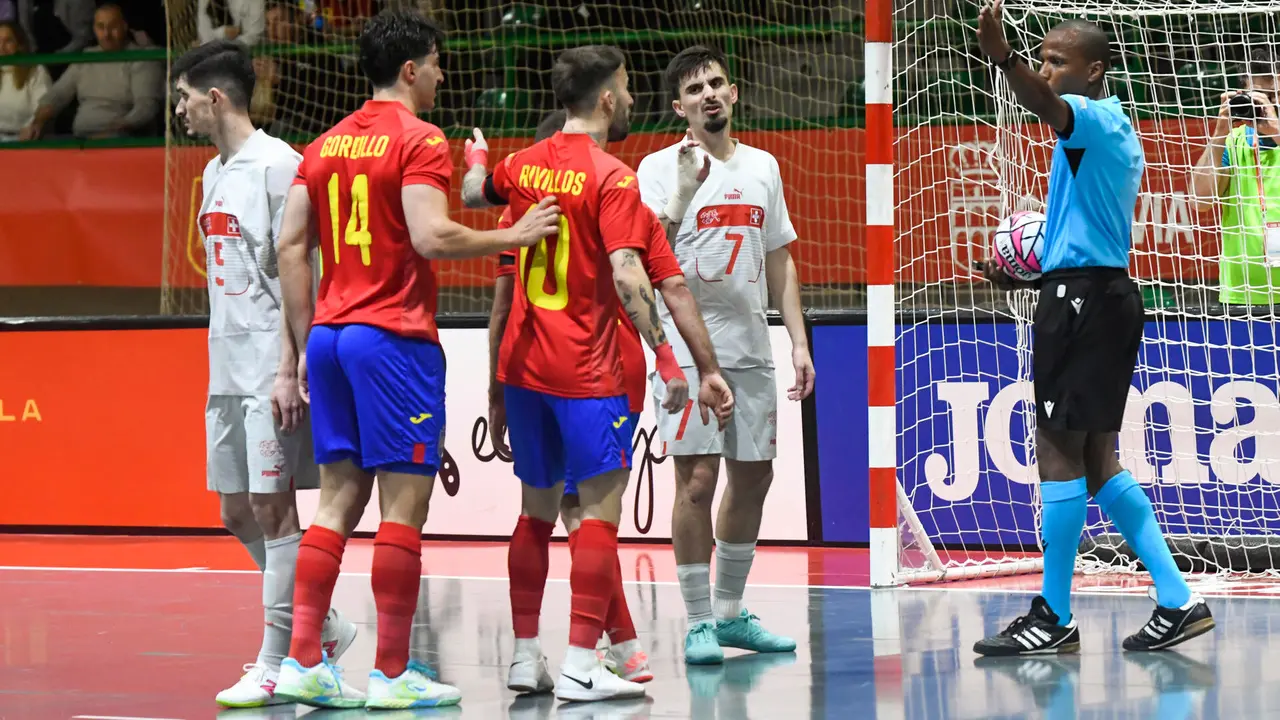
<point x="357" y="231"/>
<point x="534" y="275"/>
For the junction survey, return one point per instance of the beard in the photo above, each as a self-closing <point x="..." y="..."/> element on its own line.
<point x="717" y="123"/>
<point x="620" y="128"/>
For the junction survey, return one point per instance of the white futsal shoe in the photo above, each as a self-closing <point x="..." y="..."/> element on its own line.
<point x="528" y="672"/>
<point x="588" y="680"/>
<point x="256" y="688"/>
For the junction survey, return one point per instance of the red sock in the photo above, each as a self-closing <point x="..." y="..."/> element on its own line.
<point x="573" y="543"/>
<point x="396" y="577"/>
<point x="595" y="564"/>
<point x="527" y="565"/>
<point x="319" y="559"/>
<point x="618" y="623"/>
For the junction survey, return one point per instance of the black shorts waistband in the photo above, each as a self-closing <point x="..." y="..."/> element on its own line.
<point x="1099" y="273"/>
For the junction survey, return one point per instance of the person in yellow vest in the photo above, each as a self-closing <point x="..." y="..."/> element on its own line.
<point x="1239" y="172"/>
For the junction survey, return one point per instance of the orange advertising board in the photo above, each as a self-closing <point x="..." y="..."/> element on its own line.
<point x="104" y="428"/>
<point x="96" y="217"/>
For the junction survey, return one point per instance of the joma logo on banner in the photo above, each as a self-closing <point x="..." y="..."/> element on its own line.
<point x="1183" y="458"/>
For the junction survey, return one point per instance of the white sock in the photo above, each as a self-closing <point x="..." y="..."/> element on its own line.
<point x="581" y="659"/>
<point x="528" y="648"/>
<point x="733" y="564"/>
<point x="695" y="586"/>
<point x="257" y="550"/>
<point x="277" y="599"/>
<point x="628" y="648"/>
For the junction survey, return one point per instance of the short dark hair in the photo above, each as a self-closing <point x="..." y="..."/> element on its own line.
<point x="690" y="61"/>
<point x="394" y="38"/>
<point x="1262" y="61"/>
<point x="222" y="64"/>
<point x="1090" y="39"/>
<point x="580" y="73"/>
<point x="551" y="124"/>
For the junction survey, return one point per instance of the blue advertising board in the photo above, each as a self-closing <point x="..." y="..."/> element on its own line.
<point x="1202" y="429"/>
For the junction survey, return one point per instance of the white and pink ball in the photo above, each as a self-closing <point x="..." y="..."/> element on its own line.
<point x="1018" y="244"/>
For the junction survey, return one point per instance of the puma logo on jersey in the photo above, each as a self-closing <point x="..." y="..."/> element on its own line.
<point x="735" y="195"/>
<point x="626" y="181"/>
<point x="423" y="417"/>
<point x="621" y="420"/>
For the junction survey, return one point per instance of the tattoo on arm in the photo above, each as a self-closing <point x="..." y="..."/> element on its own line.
<point x="655" y="321"/>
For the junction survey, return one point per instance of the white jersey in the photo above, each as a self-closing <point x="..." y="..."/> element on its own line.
<point x="738" y="216"/>
<point x="240" y="219"/>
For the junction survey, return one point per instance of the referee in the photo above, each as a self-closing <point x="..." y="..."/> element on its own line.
<point x="1087" y="330"/>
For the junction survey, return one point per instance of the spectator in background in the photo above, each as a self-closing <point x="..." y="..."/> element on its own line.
<point x="303" y="93"/>
<point x="21" y="86"/>
<point x="239" y="20"/>
<point x="58" y="26"/>
<point x="1233" y="168"/>
<point x="115" y="99"/>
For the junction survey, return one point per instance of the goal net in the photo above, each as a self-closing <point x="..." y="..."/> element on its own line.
<point x="797" y="65"/>
<point x="1202" y="418"/>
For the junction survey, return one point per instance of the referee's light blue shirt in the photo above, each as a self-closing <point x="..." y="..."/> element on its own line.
<point x="1093" y="188"/>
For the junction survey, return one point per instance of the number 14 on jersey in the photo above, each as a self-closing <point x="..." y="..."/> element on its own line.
<point x="357" y="231"/>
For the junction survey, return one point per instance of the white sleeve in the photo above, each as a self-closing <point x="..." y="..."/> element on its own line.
<point x="279" y="176"/>
<point x="653" y="184"/>
<point x="204" y="27"/>
<point x="778" y="231"/>
<point x="253" y="22"/>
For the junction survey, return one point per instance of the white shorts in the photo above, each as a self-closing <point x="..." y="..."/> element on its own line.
<point x="246" y="452"/>
<point x="752" y="432"/>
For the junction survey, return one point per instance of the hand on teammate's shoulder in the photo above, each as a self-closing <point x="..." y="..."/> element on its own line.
<point x="541" y="221"/>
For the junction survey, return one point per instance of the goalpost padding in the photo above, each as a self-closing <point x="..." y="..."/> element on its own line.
<point x="1201" y="432"/>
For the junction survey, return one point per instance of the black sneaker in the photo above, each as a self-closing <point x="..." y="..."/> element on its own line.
<point x="1170" y="626"/>
<point x="1036" y="633"/>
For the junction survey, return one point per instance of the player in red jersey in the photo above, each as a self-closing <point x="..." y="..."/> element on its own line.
<point x="559" y="359"/>
<point x="373" y="192"/>
<point x="527" y="560"/>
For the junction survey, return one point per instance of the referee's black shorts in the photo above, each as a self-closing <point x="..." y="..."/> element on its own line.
<point x="1085" y="338"/>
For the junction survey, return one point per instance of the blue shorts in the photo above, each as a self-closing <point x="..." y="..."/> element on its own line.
<point x="571" y="439"/>
<point x="377" y="399"/>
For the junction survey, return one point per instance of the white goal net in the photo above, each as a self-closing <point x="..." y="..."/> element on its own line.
<point x="1202" y="422"/>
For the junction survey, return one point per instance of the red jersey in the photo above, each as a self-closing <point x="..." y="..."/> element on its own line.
<point x="561" y="338"/>
<point x="353" y="174"/>
<point x="659" y="263"/>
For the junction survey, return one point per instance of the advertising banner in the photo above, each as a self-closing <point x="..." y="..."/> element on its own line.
<point x="106" y="428"/>
<point x="478" y="493"/>
<point x="1200" y="429"/>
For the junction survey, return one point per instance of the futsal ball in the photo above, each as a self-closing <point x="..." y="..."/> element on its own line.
<point x="1019" y="241"/>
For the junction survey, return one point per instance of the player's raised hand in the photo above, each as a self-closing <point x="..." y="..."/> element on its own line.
<point x="476" y="150"/>
<point x="690" y="174"/>
<point x="803" y="363"/>
<point x="541" y="221"/>
<point x="286" y="403"/>
<point x="677" y="395"/>
<point x="714" y="396"/>
<point x="991" y="31"/>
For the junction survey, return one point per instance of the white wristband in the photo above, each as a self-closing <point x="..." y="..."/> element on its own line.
<point x="676" y="208"/>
